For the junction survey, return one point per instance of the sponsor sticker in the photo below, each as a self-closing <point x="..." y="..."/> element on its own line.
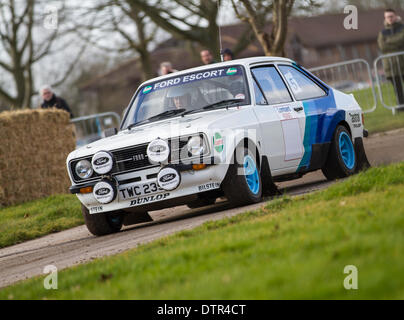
<point x="285" y="113"/>
<point x="208" y="186"/>
<point x="231" y="71"/>
<point x="284" y="109"/>
<point x="203" y="75"/>
<point x="240" y="96"/>
<point x="102" y="162"/>
<point x="168" y="179"/>
<point x="145" y="200"/>
<point x="355" y="117"/>
<point x="96" y="209"/>
<point x="293" y="83"/>
<point x="147" y="89"/>
<point x="218" y="143"/>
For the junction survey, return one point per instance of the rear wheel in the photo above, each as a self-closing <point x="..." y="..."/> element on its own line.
<point x="102" y="223"/>
<point x="243" y="184"/>
<point x="342" y="160"/>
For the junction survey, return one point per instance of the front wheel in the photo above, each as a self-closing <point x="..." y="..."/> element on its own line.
<point x="342" y="160"/>
<point x="102" y="223"/>
<point x="243" y="184"/>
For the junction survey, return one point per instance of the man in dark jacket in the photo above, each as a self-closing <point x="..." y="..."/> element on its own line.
<point x="390" y="40"/>
<point x="50" y="100"/>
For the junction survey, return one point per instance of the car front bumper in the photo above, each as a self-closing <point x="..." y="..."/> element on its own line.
<point x="192" y="182"/>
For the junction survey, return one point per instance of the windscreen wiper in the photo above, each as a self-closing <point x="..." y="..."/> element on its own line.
<point x="221" y="104"/>
<point x="224" y="103"/>
<point x="160" y="115"/>
<point x="167" y="113"/>
<point x="137" y="124"/>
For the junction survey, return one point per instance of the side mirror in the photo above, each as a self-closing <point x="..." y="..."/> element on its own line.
<point x="110" y="132"/>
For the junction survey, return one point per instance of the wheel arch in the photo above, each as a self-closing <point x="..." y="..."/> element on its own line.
<point x="330" y="124"/>
<point x="245" y="142"/>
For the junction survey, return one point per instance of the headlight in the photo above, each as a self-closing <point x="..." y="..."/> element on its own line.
<point x="196" y="146"/>
<point x="84" y="169"/>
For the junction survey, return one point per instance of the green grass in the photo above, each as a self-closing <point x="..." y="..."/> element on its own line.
<point x="381" y="119"/>
<point x="291" y="248"/>
<point x="38" y="218"/>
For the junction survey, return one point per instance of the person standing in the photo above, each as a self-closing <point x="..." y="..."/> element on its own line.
<point x="207" y="57"/>
<point x="391" y="40"/>
<point x="228" y="55"/>
<point x="166" y="68"/>
<point x="50" y="100"/>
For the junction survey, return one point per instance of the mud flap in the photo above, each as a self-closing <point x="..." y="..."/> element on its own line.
<point x="134" y="218"/>
<point x="269" y="188"/>
<point x="362" y="159"/>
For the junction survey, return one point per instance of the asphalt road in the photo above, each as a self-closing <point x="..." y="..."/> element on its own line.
<point x="77" y="245"/>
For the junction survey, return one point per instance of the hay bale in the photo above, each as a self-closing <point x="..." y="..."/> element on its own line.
<point x="33" y="150"/>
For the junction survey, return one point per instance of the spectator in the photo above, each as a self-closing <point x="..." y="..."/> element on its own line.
<point x="390" y="40"/>
<point x="50" y="100"/>
<point x="206" y="57"/>
<point x="228" y="55"/>
<point x="166" y="68"/>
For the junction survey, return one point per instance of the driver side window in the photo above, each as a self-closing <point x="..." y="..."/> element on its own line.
<point x="272" y="85"/>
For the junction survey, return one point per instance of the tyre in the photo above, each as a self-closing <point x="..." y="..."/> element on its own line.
<point x="342" y="159"/>
<point x="243" y="184"/>
<point x="102" y="223"/>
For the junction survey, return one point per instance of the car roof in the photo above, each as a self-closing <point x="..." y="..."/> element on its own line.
<point x="246" y="62"/>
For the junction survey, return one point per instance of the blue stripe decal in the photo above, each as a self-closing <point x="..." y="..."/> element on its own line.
<point x="322" y="117"/>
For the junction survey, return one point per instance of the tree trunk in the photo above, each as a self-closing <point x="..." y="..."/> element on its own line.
<point x="272" y="44"/>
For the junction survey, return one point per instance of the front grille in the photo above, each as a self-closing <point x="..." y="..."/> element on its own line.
<point x="130" y="159"/>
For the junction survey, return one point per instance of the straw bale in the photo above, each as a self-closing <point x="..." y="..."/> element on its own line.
<point x="34" y="145"/>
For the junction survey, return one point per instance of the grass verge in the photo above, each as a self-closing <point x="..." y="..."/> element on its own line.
<point x="290" y="248"/>
<point x="38" y="218"/>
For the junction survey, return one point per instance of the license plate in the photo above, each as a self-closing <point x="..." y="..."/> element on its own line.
<point x="138" y="190"/>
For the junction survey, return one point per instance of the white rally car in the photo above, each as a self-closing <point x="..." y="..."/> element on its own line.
<point x="228" y="129"/>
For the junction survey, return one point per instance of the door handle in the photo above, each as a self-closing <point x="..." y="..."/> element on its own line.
<point x="298" y="109"/>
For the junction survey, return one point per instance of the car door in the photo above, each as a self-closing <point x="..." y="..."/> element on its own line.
<point x="315" y="102"/>
<point x="280" y="118"/>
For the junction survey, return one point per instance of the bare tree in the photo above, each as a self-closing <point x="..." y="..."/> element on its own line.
<point x="128" y="30"/>
<point x="191" y="20"/>
<point x="259" y="13"/>
<point x="21" y="48"/>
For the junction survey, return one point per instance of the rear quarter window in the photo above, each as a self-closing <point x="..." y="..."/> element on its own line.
<point x="302" y="86"/>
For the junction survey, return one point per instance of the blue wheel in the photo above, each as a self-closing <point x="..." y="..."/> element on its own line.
<point x="341" y="161"/>
<point x="242" y="184"/>
<point x="251" y="174"/>
<point x="346" y="150"/>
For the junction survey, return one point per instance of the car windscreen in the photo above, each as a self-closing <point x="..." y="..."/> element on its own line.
<point x="188" y="92"/>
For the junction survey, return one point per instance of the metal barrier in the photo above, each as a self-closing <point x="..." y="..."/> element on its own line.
<point x="91" y="128"/>
<point x="352" y="76"/>
<point x="389" y="69"/>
